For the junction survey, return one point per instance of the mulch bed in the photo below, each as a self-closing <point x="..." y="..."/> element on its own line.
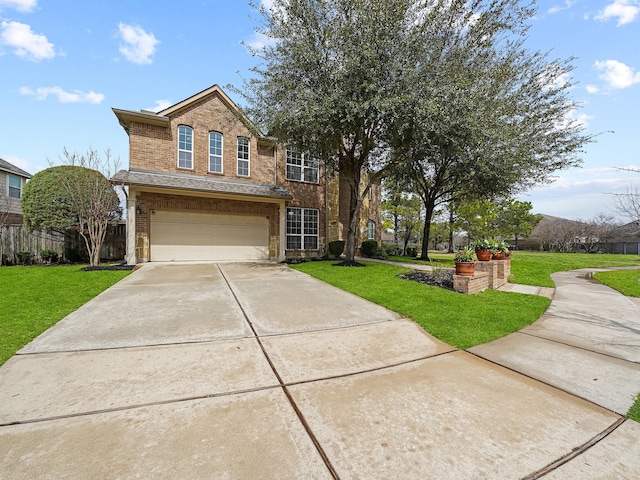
<point x="109" y="267"/>
<point x="442" y="279"/>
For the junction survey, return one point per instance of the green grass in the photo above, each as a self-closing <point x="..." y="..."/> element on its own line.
<point x="634" y="411"/>
<point x="535" y="268"/>
<point x="35" y="298"/>
<point x="626" y="282"/>
<point x="457" y="319"/>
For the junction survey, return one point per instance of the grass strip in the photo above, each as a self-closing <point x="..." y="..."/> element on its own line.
<point x="457" y="319"/>
<point x="626" y="282"/>
<point x="35" y="298"/>
<point x="634" y="411"/>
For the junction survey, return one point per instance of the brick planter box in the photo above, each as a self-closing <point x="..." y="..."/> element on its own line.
<point x="475" y="284"/>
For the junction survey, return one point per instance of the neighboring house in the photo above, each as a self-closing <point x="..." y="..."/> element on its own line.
<point x="12" y="182"/>
<point x="205" y="184"/>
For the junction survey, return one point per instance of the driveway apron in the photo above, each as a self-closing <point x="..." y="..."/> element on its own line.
<point x="255" y="370"/>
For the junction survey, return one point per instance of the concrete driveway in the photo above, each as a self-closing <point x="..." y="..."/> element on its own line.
<point x="247" y="371"/>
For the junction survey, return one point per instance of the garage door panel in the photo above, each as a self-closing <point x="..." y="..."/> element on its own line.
<point x="202" y="236"/>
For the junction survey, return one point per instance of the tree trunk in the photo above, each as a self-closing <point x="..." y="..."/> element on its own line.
<point x="354" y="220"/>
<point x="426" y="232"/>
<point x="451" y="249"/>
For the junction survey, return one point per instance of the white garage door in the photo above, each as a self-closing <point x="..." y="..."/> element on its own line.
<point x="206" y="236"/>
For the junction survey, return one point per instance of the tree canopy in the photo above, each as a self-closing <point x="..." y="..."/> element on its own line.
<point x="72" y="196"/>
<point x="46" y="204"/>
<point x="445" y="90"/>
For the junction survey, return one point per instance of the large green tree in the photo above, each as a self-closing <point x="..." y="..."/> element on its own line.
<point x="490" y="117"/>
<point x="402" y="212"/>
<point x="445" y="87"/>
<point x="73" y="196"/>
<point x="515" y="219"/>
<point x="332" y="82"/>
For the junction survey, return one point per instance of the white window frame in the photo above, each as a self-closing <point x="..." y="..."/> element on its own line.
<point x="303" y="163"/>
<point x="301" y="231"/>
<point x="221" y="156"/>
<point x="242" y="159"/>
<point x="371" y="230"/>
<point x="11" y="188"/>
<point x="184" y="150"/>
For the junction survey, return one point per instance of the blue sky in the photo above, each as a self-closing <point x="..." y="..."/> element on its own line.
<point x="65" y="64"/>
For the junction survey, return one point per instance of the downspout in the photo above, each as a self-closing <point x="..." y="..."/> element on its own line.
<point x="275" y="164"/>
<point x="326" y="211"/>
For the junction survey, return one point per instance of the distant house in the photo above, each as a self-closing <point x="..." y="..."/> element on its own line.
<point x="205" y="184"/>
<point x="12" y="182"/>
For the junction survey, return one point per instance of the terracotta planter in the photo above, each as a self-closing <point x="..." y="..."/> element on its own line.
<point x="484" y="255"/>
<point x="465" y="268"/>
<point x="498" y="256"/>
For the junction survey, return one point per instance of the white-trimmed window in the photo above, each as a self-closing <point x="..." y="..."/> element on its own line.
<point x="301" y="167"/>
<point x="302" y="229"/>
<point x="215" y="152"/>
<point x="15" y="186"/>
<point x="185" y="147"/>
<point x="371" y="230"/>
<point x="243" y="156"/>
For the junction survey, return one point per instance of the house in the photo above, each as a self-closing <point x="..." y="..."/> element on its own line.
<point x="12" y="182"/>
<point x="205" y="184"/>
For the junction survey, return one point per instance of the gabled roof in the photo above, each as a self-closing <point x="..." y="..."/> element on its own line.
<point x="9" y="167"/>
<point x="163" y="117"/>
<point x="177" y="181"/>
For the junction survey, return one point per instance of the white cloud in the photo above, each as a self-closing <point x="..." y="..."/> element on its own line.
<point x="259" y="41"/>
<point x="77" y="96"/>
<point x="139" y="46"/>
<point x="558" y="8"/>
<point x="617" y="74"/>
<point x="160" y="105"/>
<point x="19" y="5"/>
<point x="579" y="193"/>
<point x="25" y="43"/>
<point x="267" y="4"/>
<point x="625" y="11"/>
<point x="592" y="89"/>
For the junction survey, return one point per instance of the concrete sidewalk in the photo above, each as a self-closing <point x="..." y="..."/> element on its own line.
<point x="259" y="371"/>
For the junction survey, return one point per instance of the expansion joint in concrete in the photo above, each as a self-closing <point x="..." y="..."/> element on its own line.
<point x="292" y="402"/>
<point x="576" y="452"/>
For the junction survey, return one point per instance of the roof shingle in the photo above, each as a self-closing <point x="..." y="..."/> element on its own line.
<point x="9" y="167"/>
<point x="199" y="184"/>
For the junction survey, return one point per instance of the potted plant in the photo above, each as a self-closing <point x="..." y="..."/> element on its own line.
<point x="483" y="248"/>
<point x="464" y="262"/>
<point x="500" y="250"/>
<point x="507" y="256"/>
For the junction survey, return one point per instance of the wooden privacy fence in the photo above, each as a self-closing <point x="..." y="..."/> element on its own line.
<point x="16" y="238"/>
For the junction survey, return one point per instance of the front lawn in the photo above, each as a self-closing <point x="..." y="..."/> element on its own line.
<point x="626" y="282"/>
<point x="535" y="268"/>
<point x="457" y="319"/>
<point x="35" y="298"/>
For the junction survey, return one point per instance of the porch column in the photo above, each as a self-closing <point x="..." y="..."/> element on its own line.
<point x="131" y="229"/>
<point x="283" y="231"/>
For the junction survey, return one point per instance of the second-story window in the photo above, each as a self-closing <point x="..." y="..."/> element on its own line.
<point x="301" y="167"/>
<point x="243" y="156"/>
<point x="185" y="147"/>
<point x="215" y="152"/>
<point x="15" y="186"/>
